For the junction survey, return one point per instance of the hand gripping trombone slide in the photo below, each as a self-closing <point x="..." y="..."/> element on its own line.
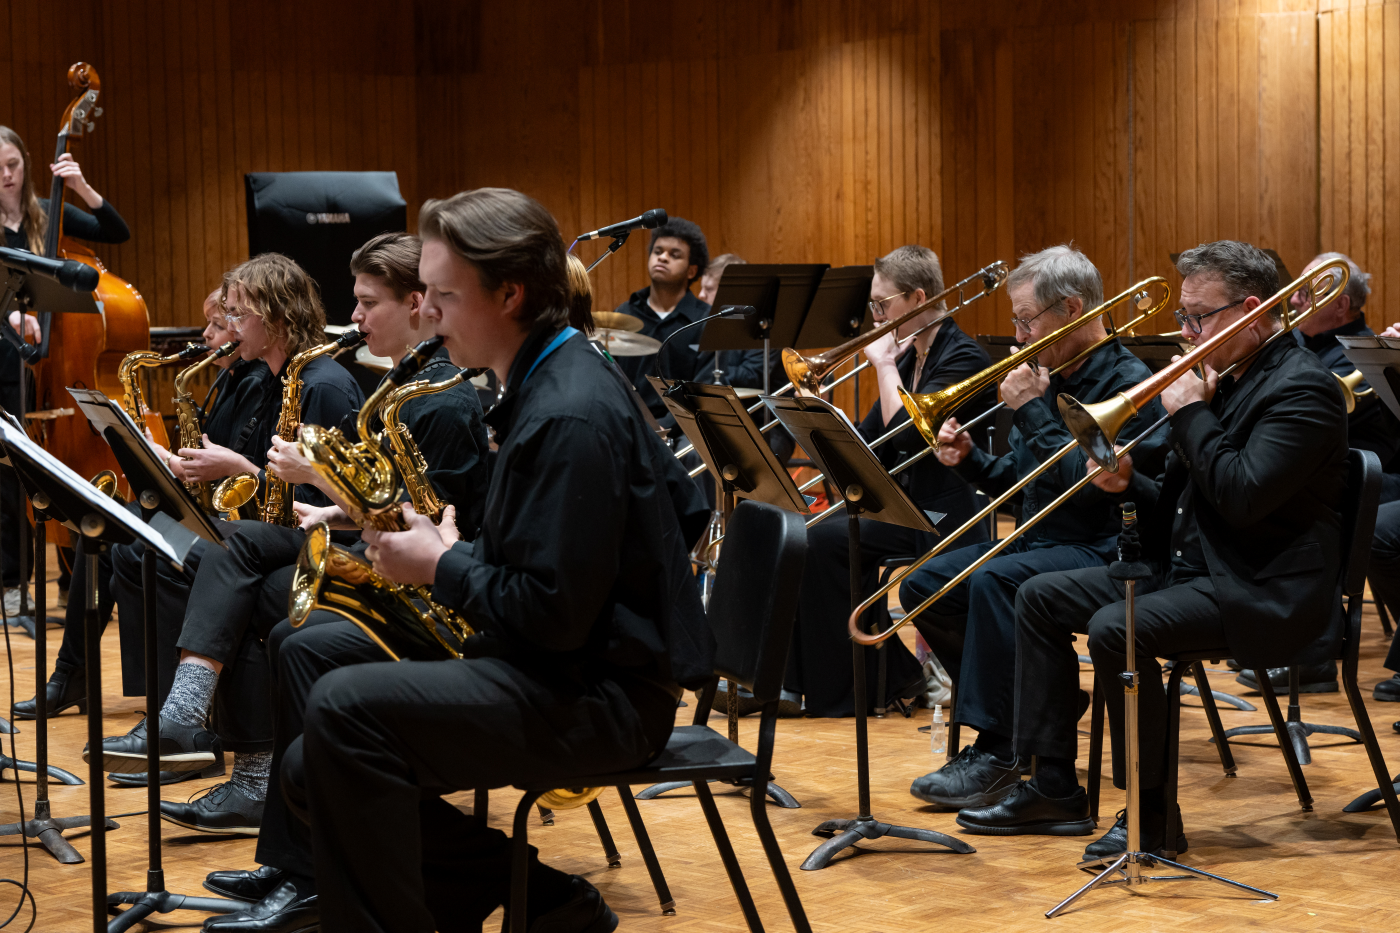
<point x="928" y="410"/>
<point x="807" y="373"/>
<point x="1104" y="460"/>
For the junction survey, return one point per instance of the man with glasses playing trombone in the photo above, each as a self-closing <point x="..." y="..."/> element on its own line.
<point x="1242" y="528"/>
<point x="972" y="627"/>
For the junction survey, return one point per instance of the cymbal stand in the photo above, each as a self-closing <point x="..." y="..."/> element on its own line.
<point x="844" y="833"/>
<point x="1129" y="866"/>
<point x="44" y="827"/>
<point x="780" y="796"/>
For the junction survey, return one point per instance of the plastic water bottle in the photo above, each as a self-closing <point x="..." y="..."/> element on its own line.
<point x="938" y="733"/>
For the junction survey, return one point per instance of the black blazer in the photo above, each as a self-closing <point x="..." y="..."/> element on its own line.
<point x="1267" y="460"/>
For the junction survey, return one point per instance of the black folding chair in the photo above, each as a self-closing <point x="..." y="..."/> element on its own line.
<point x="751" y="612"/>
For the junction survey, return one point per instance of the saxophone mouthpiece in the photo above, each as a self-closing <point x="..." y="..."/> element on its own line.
<point x="226" y="349"/>
<point x="192" y="350"/>
<point x="351" y="338"/>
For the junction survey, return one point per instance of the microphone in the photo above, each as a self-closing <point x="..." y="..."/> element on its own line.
<point x="65" y="272"/>
<point x="652" y="219"/>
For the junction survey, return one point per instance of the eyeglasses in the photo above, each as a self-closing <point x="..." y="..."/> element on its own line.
<point x="878" y="307"/>
<point x="1025" y="323"/>
<point x="1194" y="320"/>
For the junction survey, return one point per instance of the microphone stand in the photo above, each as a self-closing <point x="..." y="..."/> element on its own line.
<point x="613" y="247"/>
<point x="1129" y="568"/>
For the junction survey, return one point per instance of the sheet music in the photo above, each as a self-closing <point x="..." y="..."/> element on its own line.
<point x="17" y="440"/>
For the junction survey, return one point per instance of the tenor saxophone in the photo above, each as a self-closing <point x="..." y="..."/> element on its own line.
<point x="132" y="400"/>
<point x="191" y="434"/>
<point x="277" y="494"/>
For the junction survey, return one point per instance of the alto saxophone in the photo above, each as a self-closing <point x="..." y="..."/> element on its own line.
<point x="277" y="495"/>
<point x="191" y="434"/>
<point x="132" y="400"/>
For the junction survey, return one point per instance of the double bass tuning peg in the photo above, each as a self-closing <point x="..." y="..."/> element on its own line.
<point x="91" y="126"/>
<point x="96" y="112"/>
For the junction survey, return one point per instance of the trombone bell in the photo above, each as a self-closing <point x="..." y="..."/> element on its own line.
<point x="1096" y="426"/>
<point x="924" y="411"/>
<point x="801" y="373"/>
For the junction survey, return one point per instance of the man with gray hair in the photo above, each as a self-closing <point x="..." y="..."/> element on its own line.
<point x="1242" y="531"/>
<point x="972" y="629"/>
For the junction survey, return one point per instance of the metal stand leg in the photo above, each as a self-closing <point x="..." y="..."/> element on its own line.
<point x="155" y="899"/>
<point x="846" y="833"/>
<point x="43" y="826"/>
<point x="1293" y="728"/>
<point x="1130" y="864"/>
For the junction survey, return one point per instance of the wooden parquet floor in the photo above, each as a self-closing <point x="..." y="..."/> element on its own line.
<point x="1334" y="871"/>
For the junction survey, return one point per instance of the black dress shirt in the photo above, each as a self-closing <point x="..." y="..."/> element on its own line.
<point x="580" y="568"/>
<point x="1371" y="426"/>
<point x="1038" y="432"/>
<point x="952" y="357"/>
<point x="233" y="413"/>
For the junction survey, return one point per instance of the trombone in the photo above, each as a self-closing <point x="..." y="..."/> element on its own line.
<point x="1112" y="411"/>
<point x="928" y="410"/>
<point x="807" y="373"/>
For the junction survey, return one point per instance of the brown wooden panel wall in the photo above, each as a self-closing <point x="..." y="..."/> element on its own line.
<point x="791" y="130"/>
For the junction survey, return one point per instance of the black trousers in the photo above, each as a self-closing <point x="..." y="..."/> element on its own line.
<point x="15" y="531"/>
<point x="401" y="733"/>
<point x="1384" y="572"/>
<point x="1053" y="607"/>
<point x="72" y="650"/>
<point x="237" y="597"/>
<point x="299" y="657"/>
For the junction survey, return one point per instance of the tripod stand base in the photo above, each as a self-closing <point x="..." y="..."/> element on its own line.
<point x="49" y="832"/>
<point x="846" y="833"/>
<point x="55" y="773"/>
<point x="5" y="727"/>
<point x="26" y="623"/>
<point x="781" y="797"/>
<point x="1229" y="699"/>
<point x="1298" y="733"/>
<point x="1370" y="800"/>
<point x="145" y="903"/>
<point x="1145" y="860"/>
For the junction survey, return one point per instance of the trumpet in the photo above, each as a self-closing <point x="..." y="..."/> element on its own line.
<point x="191" y="437"/>
<point x="807" y="373"/>
<point x="928" y="411"/>
<point x="1114" y="408"/>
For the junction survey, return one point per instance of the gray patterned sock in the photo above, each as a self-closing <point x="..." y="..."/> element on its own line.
<point x="250" y="773"/>
<point x="190" y="695"/>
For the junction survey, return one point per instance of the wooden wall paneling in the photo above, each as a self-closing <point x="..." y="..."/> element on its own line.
<point x="1288" y="164"/>
<point x="1385" y="283"/>
<point x="1374" y="256"/>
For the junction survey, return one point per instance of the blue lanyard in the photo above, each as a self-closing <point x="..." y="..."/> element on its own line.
<point x="554" y="344"/>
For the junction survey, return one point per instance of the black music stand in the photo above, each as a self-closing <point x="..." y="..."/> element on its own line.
<point x="828" y="437"/>
<point x="175" y="520"/>
<point x="716" y="421"/>
<point x="49" y="298"/>
<point x="780" y="293"/>
<point x="44" y="827"/>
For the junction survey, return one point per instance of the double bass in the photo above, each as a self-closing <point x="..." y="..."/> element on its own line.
<point x="87" y="348"/>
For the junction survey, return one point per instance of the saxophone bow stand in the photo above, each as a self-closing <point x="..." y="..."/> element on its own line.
<point x="1128" y="869"/>
<point x="173" y="523"/>
<point x="824" y="432"/>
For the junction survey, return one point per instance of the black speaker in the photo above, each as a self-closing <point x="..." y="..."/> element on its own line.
<point x="319" y="219"/>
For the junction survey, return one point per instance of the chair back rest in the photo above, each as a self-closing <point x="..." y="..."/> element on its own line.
<point x="1359" y="507"/>
<point x="754" y="599"/>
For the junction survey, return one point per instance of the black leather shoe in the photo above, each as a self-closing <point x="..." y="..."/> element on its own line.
<point x="138" y="779"/>
<point x="1387" y="691"/>
<point x="584" y="912"/>
<point x="223" y="808"/>
<point x="1312" y="678"/>
<point x="250" y="886"/>
<point x="1115" y="842"/>
<point x="67" y="688"/>
<point x="182" y="748"/>
<point x="973" y="779"/>
<point x="1027" y="812"/>
<point x="279" y="912"/>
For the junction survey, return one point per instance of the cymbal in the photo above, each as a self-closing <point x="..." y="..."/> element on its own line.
<point x="368" y="360"/>
<point x="616" y="320"/>
<point x="625" y="343"/>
